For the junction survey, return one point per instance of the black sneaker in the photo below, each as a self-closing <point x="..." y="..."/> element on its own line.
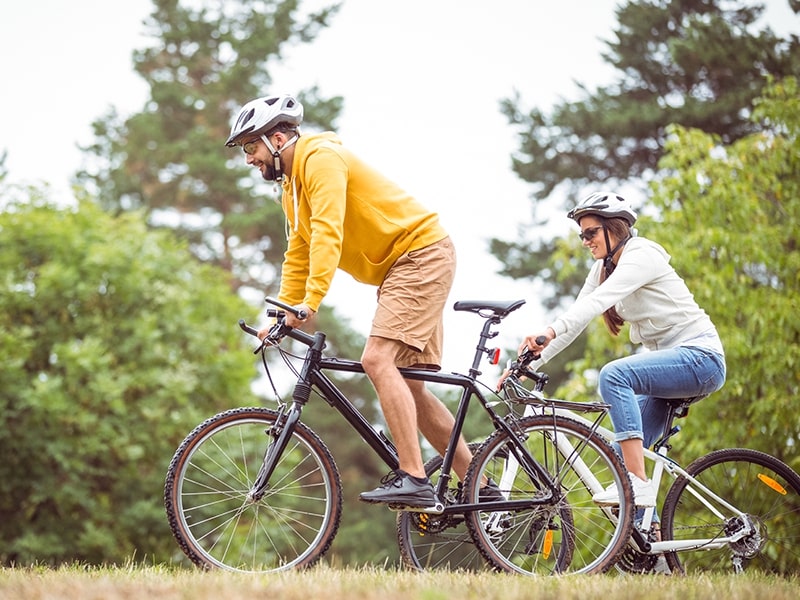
<point x="490" y="493"/>
<point x="400" y="488"/>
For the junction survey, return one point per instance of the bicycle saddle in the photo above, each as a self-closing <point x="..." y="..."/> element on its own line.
<point x="680" y="406"/>
<point x="498" y="308"/>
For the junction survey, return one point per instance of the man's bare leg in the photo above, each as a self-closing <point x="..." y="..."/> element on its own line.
<point x="397" y="402"/>
<point x="436" y="423"/>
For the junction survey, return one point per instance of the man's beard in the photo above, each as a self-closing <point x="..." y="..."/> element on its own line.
<point x="268" y="173"/>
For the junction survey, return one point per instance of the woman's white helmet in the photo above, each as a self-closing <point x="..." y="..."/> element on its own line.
<point x="609" y="205"/>
<point x="261" y="115"/>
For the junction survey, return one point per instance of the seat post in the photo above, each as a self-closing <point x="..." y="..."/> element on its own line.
<point x="673" y="412"/>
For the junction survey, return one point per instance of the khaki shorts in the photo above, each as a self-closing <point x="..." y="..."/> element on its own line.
<point x="411" y="303"/>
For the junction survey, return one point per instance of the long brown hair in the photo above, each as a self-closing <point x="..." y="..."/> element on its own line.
<point x="620" y="229"/>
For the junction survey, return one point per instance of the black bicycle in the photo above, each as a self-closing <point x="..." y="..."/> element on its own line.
<point x="256" y="490"/>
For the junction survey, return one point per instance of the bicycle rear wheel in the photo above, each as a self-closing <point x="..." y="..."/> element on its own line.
<point x="429" y="541"/>
<point x="570" y="534"/>
<point x="207" y="504"/>
<point x="757" y="484"/>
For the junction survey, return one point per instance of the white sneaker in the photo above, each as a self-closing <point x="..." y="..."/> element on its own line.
<point x="644" y="493"/>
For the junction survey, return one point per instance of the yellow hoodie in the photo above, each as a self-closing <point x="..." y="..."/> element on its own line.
<point x="343" y="213"/>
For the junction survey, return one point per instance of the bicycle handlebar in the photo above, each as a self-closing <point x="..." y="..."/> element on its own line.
<point x="519" y="368"/>
<point x="528" y="355"/>
<point x="280" y="329"/>
<point x="300" y="314"/>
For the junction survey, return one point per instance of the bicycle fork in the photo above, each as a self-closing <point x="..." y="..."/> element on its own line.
<point x="279" y="435"/>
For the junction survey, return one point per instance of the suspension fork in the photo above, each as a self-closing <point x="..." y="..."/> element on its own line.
<point x="519" y="457"/>
<point x="284" y="427"/>
<point x="570" y="454"/>
<point x="280" y="433"/>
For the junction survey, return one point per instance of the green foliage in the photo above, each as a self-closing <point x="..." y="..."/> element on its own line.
<point x="114" y="343"/>
<point x="207" y="59"/>
<point x="730" y="217"/>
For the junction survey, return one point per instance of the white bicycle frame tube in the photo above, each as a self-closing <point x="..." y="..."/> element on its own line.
<point x="661" y="463"/>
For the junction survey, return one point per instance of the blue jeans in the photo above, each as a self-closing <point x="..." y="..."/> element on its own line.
<point x="634" y="386"/>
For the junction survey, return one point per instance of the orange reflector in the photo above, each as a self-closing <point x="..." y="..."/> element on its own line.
<point x="773" y="484"/>
<point x="495" y="358"/>
<point x="547" y="547"/>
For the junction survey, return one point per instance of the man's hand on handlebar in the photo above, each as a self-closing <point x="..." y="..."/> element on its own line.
<point x="292" y="318"/>
<point x="304" y="313"/>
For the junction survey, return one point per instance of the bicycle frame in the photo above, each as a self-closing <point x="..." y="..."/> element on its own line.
<point x="662" y="463"/>
<point x="312" y="376"/>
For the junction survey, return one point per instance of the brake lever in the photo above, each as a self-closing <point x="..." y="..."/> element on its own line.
<point x="276" y="332"/>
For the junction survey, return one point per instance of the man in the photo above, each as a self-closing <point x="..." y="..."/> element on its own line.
<point x="342" y="213"/>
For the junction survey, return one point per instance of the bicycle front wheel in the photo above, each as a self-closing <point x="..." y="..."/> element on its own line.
<point x="765" y="536"/>
<point x="216" y="522"/>
<point x="570" y="534"/>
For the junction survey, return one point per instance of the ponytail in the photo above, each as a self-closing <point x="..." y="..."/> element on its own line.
<point x="622" y="231"/>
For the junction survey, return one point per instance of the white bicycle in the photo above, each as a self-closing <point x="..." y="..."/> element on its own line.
<point x="731" y="509"/>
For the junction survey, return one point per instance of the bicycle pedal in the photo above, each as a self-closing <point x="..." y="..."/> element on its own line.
<point x="436" y="509"/>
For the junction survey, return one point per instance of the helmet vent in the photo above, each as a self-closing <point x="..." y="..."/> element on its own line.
<point x="245" y="117"/>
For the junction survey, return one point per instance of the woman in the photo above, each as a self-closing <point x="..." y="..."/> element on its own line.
<point x="633" y="281"/>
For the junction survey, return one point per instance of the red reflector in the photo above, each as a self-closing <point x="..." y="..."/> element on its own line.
<point x="495" y="358"/>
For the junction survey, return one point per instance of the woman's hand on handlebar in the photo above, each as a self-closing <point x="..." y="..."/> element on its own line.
<point x="529" y="350"/>
<point x="537" y="342"/>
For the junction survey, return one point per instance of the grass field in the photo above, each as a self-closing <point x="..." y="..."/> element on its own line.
<point x="162" y="583"/>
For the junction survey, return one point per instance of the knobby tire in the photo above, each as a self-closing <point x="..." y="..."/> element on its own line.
<point x="206" y="495"/>
<point x="570" y="534"/>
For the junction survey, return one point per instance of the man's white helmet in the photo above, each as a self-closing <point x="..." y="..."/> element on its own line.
<point x="261" y="115"/>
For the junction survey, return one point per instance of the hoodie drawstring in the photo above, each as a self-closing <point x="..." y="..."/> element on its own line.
<point x="294" y="203"/>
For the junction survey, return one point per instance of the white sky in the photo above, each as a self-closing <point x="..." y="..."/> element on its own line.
<point x="421" y="80"/>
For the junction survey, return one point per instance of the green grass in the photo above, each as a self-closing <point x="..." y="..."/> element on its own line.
<point x="163" y="583"/>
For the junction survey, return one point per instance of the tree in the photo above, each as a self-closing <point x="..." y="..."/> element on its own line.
<point x="208" y="59"/>
<point x="698" y="63"/>
<point x="114" y="343"/>
<point x="169" y="161"/>
<point x="730" y="215"/>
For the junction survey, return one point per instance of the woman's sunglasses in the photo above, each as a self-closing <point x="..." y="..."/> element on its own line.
<point x="588" y="234"/>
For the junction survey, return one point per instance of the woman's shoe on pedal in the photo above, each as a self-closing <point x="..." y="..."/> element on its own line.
<point x="644" y="493"/>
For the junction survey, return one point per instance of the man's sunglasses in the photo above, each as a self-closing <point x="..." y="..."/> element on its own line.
<point x="250" y="147"/>
<point x="588" y="234"/>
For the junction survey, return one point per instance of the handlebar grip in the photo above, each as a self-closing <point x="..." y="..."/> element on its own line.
<point x="540" y="340"/>
<point x="300" y="314"/>
<point x="247" y="329"/>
